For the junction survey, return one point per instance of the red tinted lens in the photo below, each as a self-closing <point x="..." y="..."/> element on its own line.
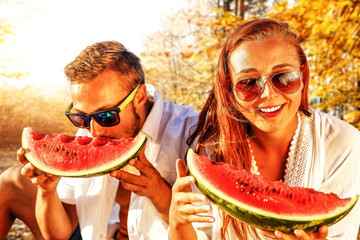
<point x="248" y="89"/>
<point x="79" y="120"/>
<point x="286" y="82"/>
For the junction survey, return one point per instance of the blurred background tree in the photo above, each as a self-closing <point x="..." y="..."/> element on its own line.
<point x="180" y="59"/>
<point x="330" y="35"/>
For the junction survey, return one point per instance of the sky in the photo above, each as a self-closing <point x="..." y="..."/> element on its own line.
<point x="54" y="32"/>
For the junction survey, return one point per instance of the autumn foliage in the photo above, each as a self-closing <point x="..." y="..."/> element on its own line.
<point x="181" y="59"/>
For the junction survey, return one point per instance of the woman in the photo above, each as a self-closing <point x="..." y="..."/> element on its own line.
<point x="257" y="116"/>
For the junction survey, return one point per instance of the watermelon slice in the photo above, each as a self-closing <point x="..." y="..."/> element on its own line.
<point x="265" y="204"/>
<point x="76" y="156"/>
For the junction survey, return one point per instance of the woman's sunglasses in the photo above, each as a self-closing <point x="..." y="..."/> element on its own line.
<point x="106" y="118"/>
<point x="286" y="82"/>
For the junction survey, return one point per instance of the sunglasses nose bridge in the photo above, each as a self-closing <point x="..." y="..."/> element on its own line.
<point x="95" y="128"/>
<point x="267" y="88"/>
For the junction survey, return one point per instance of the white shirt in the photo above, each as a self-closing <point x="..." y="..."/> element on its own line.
<point x="167" y="127"/>
<point x="324" y="155"/>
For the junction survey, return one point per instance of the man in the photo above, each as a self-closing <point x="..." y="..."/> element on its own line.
<point x="103" y="76"/>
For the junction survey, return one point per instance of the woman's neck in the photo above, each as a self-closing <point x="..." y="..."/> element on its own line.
<point x="270" y="150"/>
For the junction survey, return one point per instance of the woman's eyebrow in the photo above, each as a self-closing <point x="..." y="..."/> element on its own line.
<point x="283" y="65"/>
<point x="246" y="70"/>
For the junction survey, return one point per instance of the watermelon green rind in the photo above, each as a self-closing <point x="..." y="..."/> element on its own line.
<point x="263" y="219"/>
<point x="132" y="151"/>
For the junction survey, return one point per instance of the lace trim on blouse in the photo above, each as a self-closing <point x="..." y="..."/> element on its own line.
<point x="300" y="151"/>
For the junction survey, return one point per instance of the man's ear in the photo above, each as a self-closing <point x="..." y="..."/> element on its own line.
<point x="140" y="96"/>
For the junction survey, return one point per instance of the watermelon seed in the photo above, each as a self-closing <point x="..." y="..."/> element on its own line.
<point x="67" y="152"/>
<point x="74" y="154"/>
<point x="242" y="190"/>
<point x="43" y="145"/>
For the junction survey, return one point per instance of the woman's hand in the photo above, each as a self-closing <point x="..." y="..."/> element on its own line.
<point x="44" y="181"/>
<point x="299" y="234"/>
<point x="182" y="210"/>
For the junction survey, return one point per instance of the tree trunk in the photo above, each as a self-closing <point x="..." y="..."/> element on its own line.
<point x="242" y="9"/>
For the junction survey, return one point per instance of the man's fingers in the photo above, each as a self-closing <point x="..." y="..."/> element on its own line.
<point x="28" y="170"/>
<point x="180" y="168"/>
<point x="141" y="157"/>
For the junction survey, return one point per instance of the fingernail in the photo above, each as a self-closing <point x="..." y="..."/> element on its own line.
<point x="297" y="233"/>
<point x="191" y="179"/>
<point x="278" y="234"/>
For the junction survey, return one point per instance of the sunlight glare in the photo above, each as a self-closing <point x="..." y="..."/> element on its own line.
<point x="52" y="33"/>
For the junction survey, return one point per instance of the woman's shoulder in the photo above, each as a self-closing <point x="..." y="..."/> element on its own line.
<point x="328" y="125"/>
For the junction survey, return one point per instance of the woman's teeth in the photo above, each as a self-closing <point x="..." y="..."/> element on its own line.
<point x="272" y="109"/>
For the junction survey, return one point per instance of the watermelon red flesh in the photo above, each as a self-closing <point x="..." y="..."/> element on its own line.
<point x="64" y="155"/>
<point x="265" y="204"/>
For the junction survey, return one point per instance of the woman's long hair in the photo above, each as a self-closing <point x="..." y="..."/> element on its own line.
<point x="221" y="126"/>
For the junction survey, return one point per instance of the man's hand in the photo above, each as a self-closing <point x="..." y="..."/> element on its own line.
<point x="148" y="183"/>
<point x="44" y="181"/>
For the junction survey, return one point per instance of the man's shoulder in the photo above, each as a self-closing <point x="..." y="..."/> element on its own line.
<point x="179" y="111"/>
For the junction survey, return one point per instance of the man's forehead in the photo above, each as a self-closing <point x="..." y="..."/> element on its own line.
<point x="87" y="98"/>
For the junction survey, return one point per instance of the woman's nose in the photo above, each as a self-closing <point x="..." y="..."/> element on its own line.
<point x="269" y="91"/>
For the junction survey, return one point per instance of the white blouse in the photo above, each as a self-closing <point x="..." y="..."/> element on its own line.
<point x="324" y="155"/>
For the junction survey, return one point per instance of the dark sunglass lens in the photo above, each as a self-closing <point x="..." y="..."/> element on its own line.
<point x="248" y="89"/>
<point x="80" y="120"/>
<point x="287" y="82"/>
<point x="109" y="118"/>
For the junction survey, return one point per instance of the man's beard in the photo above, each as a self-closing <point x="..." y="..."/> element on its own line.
<point x="135" y="127"/>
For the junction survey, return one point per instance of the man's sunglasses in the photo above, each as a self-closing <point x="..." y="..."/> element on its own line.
<point x="286" y="82"/>
<point x="106" y="118"/>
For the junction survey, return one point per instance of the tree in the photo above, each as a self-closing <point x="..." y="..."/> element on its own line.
<point x="186" y="51"/>
<point x="175" y="59"/>
<point x="240" y="7"/>
<point x="329" y="33"/>
<point x="181" y="59"/>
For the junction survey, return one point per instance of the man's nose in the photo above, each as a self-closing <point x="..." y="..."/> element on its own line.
<point x="96" y="129"/>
